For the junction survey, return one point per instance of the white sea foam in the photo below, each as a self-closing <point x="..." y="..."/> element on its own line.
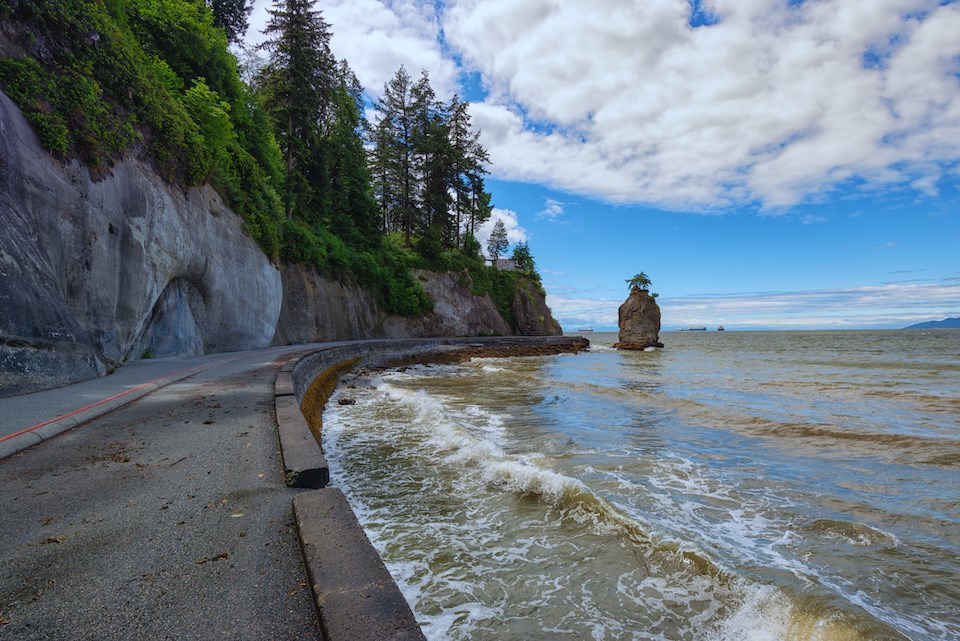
<point x="763" y="615"/>
<point x="469" y="450"/>
<point x="599" y="347"/>
<point x="487" y="365"/>
<point x="474" y="438"/>
<point x="711" y="513"/>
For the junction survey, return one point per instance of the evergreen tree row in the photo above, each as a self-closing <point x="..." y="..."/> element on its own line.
<point x="317" y="106"/>
<point x="427" y="164"/>
<point x="423" y="171"/>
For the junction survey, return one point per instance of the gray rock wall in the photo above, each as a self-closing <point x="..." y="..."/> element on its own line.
<point x="531" y="312"/>
<point x="320" y="308"/>
<point x="94" y="273"/>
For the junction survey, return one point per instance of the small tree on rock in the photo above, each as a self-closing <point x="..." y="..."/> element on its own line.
<point x="639" y="281"/>
<point x="523" y="259"/>
<point x="497" y="243"/>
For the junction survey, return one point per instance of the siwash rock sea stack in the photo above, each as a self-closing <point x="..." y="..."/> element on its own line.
<point x="639" y="321"/>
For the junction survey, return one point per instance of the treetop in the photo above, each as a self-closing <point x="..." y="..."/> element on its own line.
<point x="639" y="281"/>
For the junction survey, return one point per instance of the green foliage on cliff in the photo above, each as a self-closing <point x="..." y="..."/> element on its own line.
<point x="100" y="80"/>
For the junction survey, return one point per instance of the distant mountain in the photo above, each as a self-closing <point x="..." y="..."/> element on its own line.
<point x="946" y="323"/>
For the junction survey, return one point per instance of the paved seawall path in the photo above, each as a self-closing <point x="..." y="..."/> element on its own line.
<point x="165" y="514"/>
<point x="167" y="518"/>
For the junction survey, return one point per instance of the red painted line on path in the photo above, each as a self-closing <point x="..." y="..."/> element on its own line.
<point x="199" y="368"/>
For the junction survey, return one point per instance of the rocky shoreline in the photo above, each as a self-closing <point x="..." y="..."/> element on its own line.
<point x="505" y="347"/>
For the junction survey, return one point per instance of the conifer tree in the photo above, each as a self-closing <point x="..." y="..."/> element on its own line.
<point x="395" y="136"/>
<point x="497" y="243"/>
<point x="468" y="158"/>
<point x="480" y="205"/>
<point x="432" y="151"/>
<point x="384" y="171"/>
<point x="298" y="80"/>
<point x="523" y="259"/>
<point x="352" y="212"/>
<point x="232" y="16"/>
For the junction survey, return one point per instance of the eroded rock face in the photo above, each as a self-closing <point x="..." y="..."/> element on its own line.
<point x="94" y="273"/>
<point x="531" y="312"/>
<point x="639" y="321"/>
<point x="315" y="308"/>
<point x="319" y="308"/>
<point x="457" y="311"/>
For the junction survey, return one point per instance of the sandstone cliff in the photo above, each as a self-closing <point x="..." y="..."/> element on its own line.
<point x="639" y="318"/>
<point x="98" y="272"/>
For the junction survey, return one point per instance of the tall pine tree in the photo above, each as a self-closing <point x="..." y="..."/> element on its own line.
<point x="232" y="16"/>
<point x="396" y="153"/>
<point x="433" y="162"/>
<point x="298" y="81"/>
<point x="352" y="211"/>
<point x="468" y="163"/>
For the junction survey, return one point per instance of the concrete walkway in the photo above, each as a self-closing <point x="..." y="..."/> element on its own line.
<point x="28" y="419"/>
<point x="167" y="518"/>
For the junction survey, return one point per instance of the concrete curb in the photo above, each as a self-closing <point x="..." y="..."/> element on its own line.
<point x="355" y="596"/>
<point x="43" y="431"/>
<point x="283" y="386"/>
<point x="303" y="461"/>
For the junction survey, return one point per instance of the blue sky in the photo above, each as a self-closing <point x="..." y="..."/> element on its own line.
<point x="769" y="164"/>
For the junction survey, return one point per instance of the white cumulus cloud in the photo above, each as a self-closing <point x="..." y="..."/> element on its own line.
<point x="377" y="36"/>
<point x="552" y="210"/>
<point x="626" y="101"/>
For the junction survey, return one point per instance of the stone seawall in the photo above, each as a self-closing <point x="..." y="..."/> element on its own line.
<point x="394" y="353"/>
<point x="354" y="594"/>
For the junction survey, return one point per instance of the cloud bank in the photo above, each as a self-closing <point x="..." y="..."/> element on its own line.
<point x="881" y="306"/>
<point x="774" y="103"/>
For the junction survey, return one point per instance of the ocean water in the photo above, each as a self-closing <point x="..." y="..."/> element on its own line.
<point x="734" y="486"/>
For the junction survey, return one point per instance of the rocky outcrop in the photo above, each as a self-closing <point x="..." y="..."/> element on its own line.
<point x="99" y="271"/>
<point x="94" y="273"/>
<point x="532" y="315"/>
<point x="319" y="308"/>
<point x="315" y="308"/>
<point x="457" y="311"/>
<point x="639" y="319"/>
